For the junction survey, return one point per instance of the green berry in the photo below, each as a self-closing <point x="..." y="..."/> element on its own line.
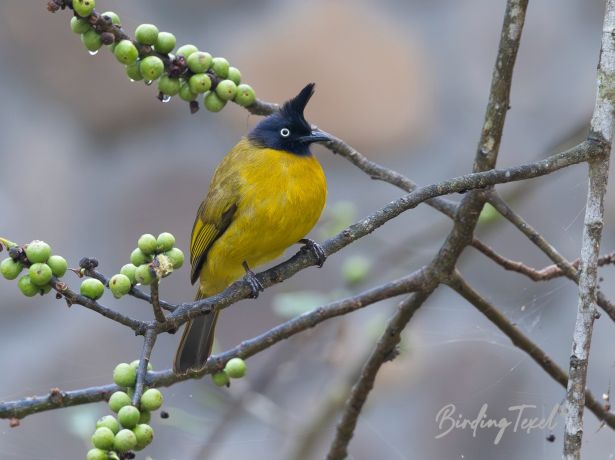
<point x="79" y="25"/>
<point x="226" y="89"/>
<point x="118" y="400"/>
<point x="199" y="83"/>
<point x="146" y="416"/>
<point x="58" y="265"/>
<point x="220" y="66"/>
<point x="144" y="434"/>
<point x="129" y="271"/>
<point x="186" y="94"/>
<point x="124" y="375"/>
<point x="235" y="368"/>
<point x="103" y="438"/>
<point x="84" y="7"/>
<point x="10" y="269"/>
<point x="151" y="399"/>
<point x="220" y="379"/>
<point x="199" y="61"/>
<point x="92" y="288"/>
<point x="137" y="257"/>
<point x="91" y="40"/>
<point x="147" y="244"/>
<point x="168" y="85"/>
<point x="165" y="242"/>
<point x="38" y="251"/>
<point x="186" y="50"/>
<point x="213" y="103"/>
<point x="120" y="285"/>
<point x="134" y="71"/>
<point x="234" y="75"/>
<point x="115" y="19"/>
<point x="108" y="421"/>
<point x="27" y="287"/>
<point x="136" y="362"/>
<point x="147" y="34"/>
<point x="144" y="275"/>
<point x="126" y="52"/>
<point x="128" y="416"/>
<point x="96" y="454"/>
<point x="124" y="441"/>
<point x="40" y="274"/>
<point x="165" y="42"/>
<point x="151" y="67"/>
<point x="176" y="256"/>
<point x="245" y="95"/>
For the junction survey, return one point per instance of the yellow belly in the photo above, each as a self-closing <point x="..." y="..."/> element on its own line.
<point x="282" y="197"/>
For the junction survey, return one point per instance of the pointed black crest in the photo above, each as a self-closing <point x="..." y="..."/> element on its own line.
<point x="293" y="109"/>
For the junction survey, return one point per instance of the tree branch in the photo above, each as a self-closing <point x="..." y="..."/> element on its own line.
<point x="385" y="350"/>
<point x="22" y="408"/>
<point x="544" y="274"/>
<point x="524" y="343"/>
<point x="601" y="128"/>
<point x="148" y="346"/>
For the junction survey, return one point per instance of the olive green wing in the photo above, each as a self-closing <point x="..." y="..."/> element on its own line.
<point x="215" y="214"/>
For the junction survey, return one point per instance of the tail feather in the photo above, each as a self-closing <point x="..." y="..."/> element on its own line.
<point x="196" y="342"/>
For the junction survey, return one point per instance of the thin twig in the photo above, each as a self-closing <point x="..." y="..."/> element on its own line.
<point x="384" y="351"/>
<point x="543" y="274"/>
<point x="566" y="267"/>
<point x="155" y="301"/>
<point x="148" y="346"/>
<point x="521" y="341"/>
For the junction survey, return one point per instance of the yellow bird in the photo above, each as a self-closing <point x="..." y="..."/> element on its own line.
<point x="266" y="194"/>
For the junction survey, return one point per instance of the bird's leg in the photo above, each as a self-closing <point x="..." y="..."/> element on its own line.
<point x="252" y="281"/>
<point x="315" y="248"/>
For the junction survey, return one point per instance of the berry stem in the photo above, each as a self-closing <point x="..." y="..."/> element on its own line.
<point x="155" y="300"/>
<point x="148" y="346"/>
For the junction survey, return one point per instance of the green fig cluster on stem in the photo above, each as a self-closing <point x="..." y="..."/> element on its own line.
<point x="188" y="73"/>
<point x="41" y="266"/>
<point x="129" y="429"/>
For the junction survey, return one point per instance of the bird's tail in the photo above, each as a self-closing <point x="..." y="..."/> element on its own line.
<point x="196" y="342"/>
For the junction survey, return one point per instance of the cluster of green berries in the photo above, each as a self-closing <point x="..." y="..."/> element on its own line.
<point x="154" y="258"/>
<point x="198" y="72"/>
<point x="129" y="430"/>
<point x="42" y="267"/>
<point x="235" y="368"/>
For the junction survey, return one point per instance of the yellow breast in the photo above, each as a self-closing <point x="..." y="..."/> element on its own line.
<point x="281" y="197"/>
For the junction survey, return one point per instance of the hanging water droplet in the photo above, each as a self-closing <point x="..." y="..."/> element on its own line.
<point x="93" y="53"/>
<point x="166" y="98"/>
<point x="148" y="82"/>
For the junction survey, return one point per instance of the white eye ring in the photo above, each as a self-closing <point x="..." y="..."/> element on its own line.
<point x="285" y="132"/>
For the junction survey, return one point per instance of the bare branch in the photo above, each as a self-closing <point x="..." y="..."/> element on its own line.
<point x="566" y="267"/>
<point x="148" y="346"/>
<point x="155" y="297"/>
<point x="544" y="274"/>
<point x="601" y="129"/>
<point x="385" y="350"/>
<point x="22" y="408"/>
<point x="524" y="343"/>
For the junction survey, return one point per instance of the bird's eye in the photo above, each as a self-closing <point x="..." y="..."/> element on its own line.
<point x="285" y="132"/>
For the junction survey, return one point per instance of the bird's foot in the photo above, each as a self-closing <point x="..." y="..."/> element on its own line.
<point x="252" y="281"/>
<point x="315" y="248"/>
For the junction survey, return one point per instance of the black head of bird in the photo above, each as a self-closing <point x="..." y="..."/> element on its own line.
<point x="288" y="129"/>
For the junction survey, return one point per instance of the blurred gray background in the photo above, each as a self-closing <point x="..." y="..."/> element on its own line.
<point x="89" y="161"/>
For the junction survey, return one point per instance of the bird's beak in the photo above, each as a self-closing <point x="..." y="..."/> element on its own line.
<point x="316" y="136"/>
